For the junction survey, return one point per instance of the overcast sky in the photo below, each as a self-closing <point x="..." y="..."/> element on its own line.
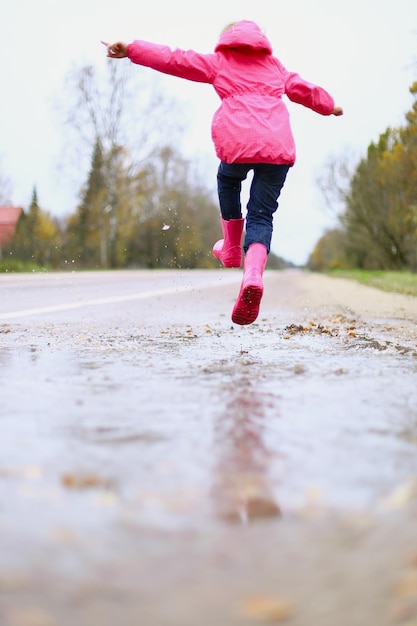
<point x="363" y="51"/>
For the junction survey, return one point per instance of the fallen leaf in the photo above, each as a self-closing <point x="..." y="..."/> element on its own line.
<point x="267" y="609"/>
<point x="31" y="617"/>
<point x="258" y="507"/>
<point x="84" y="481"/>
<point x="407" y="585"/>
<point x="402" y="612"/>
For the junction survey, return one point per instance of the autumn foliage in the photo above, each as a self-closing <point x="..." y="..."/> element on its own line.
<point x="378" y="224"/>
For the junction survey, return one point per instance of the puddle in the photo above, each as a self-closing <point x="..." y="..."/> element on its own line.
<point x="195" y="426"/>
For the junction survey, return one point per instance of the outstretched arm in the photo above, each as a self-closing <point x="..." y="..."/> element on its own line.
<point x="310" y="95"/>
<point x="182" y="63"/>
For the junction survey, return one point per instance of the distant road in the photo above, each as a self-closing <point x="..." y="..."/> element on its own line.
<point x="59" y="295"/>
<point x="187" y="296"/>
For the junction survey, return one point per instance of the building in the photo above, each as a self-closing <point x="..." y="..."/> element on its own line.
<point x="9" y="216"/>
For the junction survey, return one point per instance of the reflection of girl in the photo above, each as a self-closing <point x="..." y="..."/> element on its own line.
<point x="250" y="131"/>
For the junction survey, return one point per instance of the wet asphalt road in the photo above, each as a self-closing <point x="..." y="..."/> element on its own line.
<point x="161" y="466"/>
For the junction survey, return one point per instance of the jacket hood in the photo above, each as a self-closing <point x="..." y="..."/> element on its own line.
<point x="244" y="34"/>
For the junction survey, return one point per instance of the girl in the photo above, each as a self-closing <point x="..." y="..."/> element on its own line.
<point x="250" y="131"/>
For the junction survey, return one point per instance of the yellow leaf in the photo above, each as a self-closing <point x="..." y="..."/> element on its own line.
<point x="401" y="496"/>
<point x="32" y="471"/>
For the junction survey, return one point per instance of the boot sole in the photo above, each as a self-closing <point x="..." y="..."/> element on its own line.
<point x="247" y="307"/>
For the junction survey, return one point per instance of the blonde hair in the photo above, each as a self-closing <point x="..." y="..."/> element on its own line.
<point x="232" y="24"/>
<point x="228" y="26"/>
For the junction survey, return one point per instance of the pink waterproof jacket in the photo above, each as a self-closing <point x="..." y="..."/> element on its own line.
<point x="252" y="123"/>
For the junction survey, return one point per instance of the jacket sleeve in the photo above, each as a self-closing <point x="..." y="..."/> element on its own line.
<point x="309" y="95"/>
<point x="182" y="63"/>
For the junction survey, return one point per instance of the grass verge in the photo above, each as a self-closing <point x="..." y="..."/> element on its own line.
<point x="398" y="282"/>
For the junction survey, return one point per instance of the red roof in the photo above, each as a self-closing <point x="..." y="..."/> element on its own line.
<point x="9" y="216"/>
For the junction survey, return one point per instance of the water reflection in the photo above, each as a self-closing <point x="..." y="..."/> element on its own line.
<point x="242" y="490"/>
<point x="5" y="356"/>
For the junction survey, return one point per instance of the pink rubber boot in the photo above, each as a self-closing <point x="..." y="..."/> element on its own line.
<point x="246" y="309"/>
<point x="229" y="249"/>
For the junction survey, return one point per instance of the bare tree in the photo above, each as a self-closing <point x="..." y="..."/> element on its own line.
<point x="5" y="189"/>
<point x="121" y="107"/>
<point x="334" y="183"/>
<point x="127" y="118"/>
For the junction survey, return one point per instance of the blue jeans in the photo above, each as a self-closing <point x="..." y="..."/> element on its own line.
<point x="268" y="180"/>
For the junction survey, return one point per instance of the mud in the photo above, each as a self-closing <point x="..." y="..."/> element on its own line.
<point x="162" y="466"/>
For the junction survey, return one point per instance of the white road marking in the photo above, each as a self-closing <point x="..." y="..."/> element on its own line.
<point x="12" y="315"/>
